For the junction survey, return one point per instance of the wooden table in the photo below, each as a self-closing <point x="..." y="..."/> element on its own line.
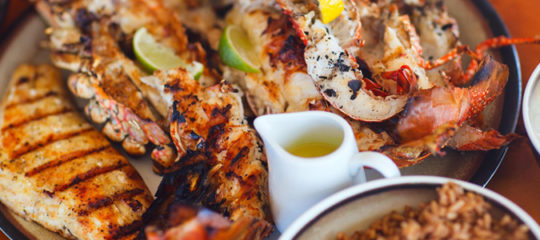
<point x="519" y="176"/>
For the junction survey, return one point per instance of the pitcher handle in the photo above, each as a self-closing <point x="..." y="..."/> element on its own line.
<point x="378" y="161"/>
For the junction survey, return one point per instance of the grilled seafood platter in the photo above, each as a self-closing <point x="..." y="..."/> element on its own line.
<point x="397" y="71"/>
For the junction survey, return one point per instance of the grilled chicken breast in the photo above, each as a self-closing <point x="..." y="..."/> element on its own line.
<point x="57" y="170"/>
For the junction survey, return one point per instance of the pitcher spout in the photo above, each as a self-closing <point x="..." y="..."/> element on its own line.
<point x="267" y="128"/>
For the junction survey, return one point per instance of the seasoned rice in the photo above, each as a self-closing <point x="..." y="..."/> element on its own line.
<point x="456" y="214"/>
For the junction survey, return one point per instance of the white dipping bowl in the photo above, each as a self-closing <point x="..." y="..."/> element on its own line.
<point x="356" y="208"/>
<point x="531" y="109"/>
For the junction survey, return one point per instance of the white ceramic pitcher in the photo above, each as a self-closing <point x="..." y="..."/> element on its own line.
<point x="297" y="183"/>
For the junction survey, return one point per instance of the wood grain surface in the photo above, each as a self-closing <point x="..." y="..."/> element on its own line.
<point x="518" y="178"/>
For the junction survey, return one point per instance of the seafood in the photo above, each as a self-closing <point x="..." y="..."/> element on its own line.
<point x="283" y="84"/>
<point x="409" y="52"/>
<point x="423" y="115"/>
<point x="469" y="138"/>
<point x="391" y="68"/>
<point x="203" y="17"/>
<point x="375" y="66"/>
<point x="208" y="126"/>
<point x="206" y="120"/>
<point x="335" y="69"/>
<point x="429" y="59"/>
<point x="191" y="186"/>
<point x="93" y="38"/>
<point x="439" y="36"/>
<point x="122" y="123"/>
<point x="434" y="115"/>
<point x="56" y="170"/>
<point x="188" y="222"/>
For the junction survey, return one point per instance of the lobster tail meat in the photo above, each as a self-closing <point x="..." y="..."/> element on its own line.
<point x="191" y="222"/>
<point x="439" y="37"/>
<point x="192" y="186"/>
<point x="332" y="67"/>
<point x="283" y="84"/>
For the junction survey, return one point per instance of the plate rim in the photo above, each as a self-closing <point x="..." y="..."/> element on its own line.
<point x="7" y="227"/>
<point x="512" y="103"/>
<point x="3" y="7"/>
<point x="486" y="170"/>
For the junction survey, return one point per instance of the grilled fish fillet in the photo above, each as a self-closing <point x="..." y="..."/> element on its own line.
<point x="57" y="170"/>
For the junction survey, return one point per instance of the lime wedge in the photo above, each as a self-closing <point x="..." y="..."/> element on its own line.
<point x="330" y="9"/>
<point x="155" y="56"/>
<point x="236" y="50"/>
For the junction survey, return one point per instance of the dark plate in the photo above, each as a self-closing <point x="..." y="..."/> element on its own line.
<point x="512" y="101"/>
<point x="3" y="8"/>
<point x="6" y="223"/>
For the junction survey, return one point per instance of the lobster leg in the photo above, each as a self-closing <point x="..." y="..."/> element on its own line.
<point x="469" y="138"/>
<point x="482" y="48"/>
<point x="453" y="54"/>
<point x="477" y="55"/>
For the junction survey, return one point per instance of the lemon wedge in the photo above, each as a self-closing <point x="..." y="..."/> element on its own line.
<point x="330" y="9"/>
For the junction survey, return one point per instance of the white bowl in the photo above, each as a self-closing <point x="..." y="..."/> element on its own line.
<point x="531" y="109"/>
<point x="357" y="207"/>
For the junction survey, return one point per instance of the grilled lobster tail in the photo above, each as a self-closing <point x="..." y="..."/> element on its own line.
<point x="191" y="186"/>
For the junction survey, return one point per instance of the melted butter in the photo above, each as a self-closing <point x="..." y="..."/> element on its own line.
<point x="310" y="146"/>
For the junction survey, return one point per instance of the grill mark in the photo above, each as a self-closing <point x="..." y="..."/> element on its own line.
<point x="47" y="141"/>
<point x="38" y="117"/>
<point x="134" y="204"/>
<point x="33" y="100"/>
<point x="65" y="159"/>
<point x="108" y="200"/>
<point x="22" y="80"/>
<point x="89" y="175"/>
<point x="122" y="231"/>
<point x="242" y="153"/>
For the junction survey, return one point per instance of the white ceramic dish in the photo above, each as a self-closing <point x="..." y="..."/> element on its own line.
<point x="531" y="109"/>
<point x="292" y="191"/>
<point x="357" y="207"/>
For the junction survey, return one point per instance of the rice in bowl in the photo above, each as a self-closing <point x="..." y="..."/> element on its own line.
<point x="455" y="214"/>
